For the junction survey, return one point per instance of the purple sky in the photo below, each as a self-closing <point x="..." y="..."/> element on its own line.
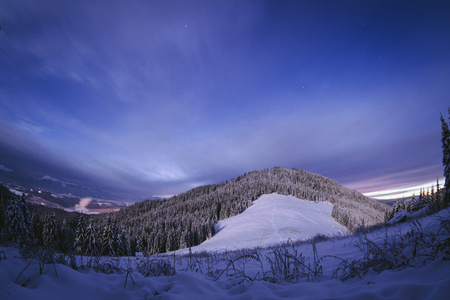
<point x="157" y="97"/>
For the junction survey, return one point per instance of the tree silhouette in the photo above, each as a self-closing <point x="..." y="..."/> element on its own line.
<point x="446" y="158"/>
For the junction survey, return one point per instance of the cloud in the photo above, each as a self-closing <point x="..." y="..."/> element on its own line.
<point x="82" y="206"/>
<point x="157" y="97"/>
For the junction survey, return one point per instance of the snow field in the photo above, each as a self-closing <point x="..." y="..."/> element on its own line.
<point x="429" y="282"/>
<point x="246" y="273"/>
<point x="272" y="219"/>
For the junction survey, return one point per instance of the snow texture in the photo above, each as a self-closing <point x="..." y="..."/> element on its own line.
<point x="273" y="219"/>
<point x="428" y="281"/>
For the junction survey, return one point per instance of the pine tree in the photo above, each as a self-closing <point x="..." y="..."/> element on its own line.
<point x="141" y="244"/>
<point x="50" y="233"/>
<point x="432" y="200"/>
<point x="16" y="227"/>
<point x="36" y="228"/>
<point x="66" y="237"/>
<point x="80" y="237"/>
<point x="91" y="239"/>
<point x="446" y="158"/>
<point x="26" y="214"/>
<point x="438" y="196"/>
<point x="122" y="243"/>
<point x="109" y="240"/>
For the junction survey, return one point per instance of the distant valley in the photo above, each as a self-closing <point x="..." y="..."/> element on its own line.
<point x="54" y="193"/>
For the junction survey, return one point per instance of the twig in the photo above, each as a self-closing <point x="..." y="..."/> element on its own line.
<point x="126" y="279"/>
<point x="23" y="270"/>
<point x="223" y="271"/>
<point x="54" y="267"/>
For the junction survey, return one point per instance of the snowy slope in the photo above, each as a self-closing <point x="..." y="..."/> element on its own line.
<point x="223" y="276"/>
<point x="273" y="219"/>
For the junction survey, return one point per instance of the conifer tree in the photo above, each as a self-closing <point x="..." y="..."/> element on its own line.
<point x="446" y="158"/>
<point x="17" y="229"/>
<point x="26" y="214"/>
<point x="438" y="196"/>
<point x="109" y="240"/>
<point x="91" y="239"/>
<point x="80" y="237"/>
<point x="36" y="228"/>
<point x="141" y="244"/>
<point x="122" y="242"/>
<point x="50" y="233"/>
<point x="66" y="237"/>
<point x="432" y="199"/>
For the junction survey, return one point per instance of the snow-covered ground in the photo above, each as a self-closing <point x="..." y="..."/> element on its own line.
<point x="250" y="274"/>
<point x="273" y="219"/>
<point x="429" y="282"/>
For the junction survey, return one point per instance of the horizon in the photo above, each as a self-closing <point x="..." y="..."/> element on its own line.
<point x="151" y="98"/>
<point x="393" y="193"/>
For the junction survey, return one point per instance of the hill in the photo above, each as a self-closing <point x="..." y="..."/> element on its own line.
<point x="189" y="218"/>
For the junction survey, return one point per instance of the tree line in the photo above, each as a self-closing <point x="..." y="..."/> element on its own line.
<point x="84" y="237"/>
<point x="430" y="199"/>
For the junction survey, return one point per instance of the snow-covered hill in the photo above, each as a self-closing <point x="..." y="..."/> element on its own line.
<point x="273" y="219"/>
<point x="250" y="274"/>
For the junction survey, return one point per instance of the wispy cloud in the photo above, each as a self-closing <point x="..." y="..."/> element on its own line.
<point x="162" y="96"/>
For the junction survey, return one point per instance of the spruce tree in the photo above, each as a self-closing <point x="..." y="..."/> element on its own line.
<point x="36" y="228"/>
<point x="26" y="214"/>
<point x="50" y="233"/>
<point x="80" y="237"/>
<point x="66" y="237"/>
<point x="432" y="200"/>
<point x="122" y="243"/>
<point x="91" y="239"/>
<point x="446" y="158"/>
<point x="438" y="196"/>
<point x="16" y="227"/>
<point x="140" y="244"/>
<point x="109" y="240"/>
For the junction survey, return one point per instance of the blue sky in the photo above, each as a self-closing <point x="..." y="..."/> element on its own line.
<point x="157" y="97"/>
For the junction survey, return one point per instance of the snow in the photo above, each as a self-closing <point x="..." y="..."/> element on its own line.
<point x="403" y="215"/>
<point x="425" y="281"/>
<point x="49" y="178"/>
<point x="429" y="282"/>
<point x="17" y="193"/>
<point x="273" y="219"/>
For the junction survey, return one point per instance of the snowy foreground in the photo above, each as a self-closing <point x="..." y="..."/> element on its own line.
<point x="307" y="270"/>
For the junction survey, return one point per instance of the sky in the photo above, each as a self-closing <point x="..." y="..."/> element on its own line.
<point x="158" y="97"/>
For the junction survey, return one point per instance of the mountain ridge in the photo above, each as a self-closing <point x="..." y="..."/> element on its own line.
<point x="189" y="218"/>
